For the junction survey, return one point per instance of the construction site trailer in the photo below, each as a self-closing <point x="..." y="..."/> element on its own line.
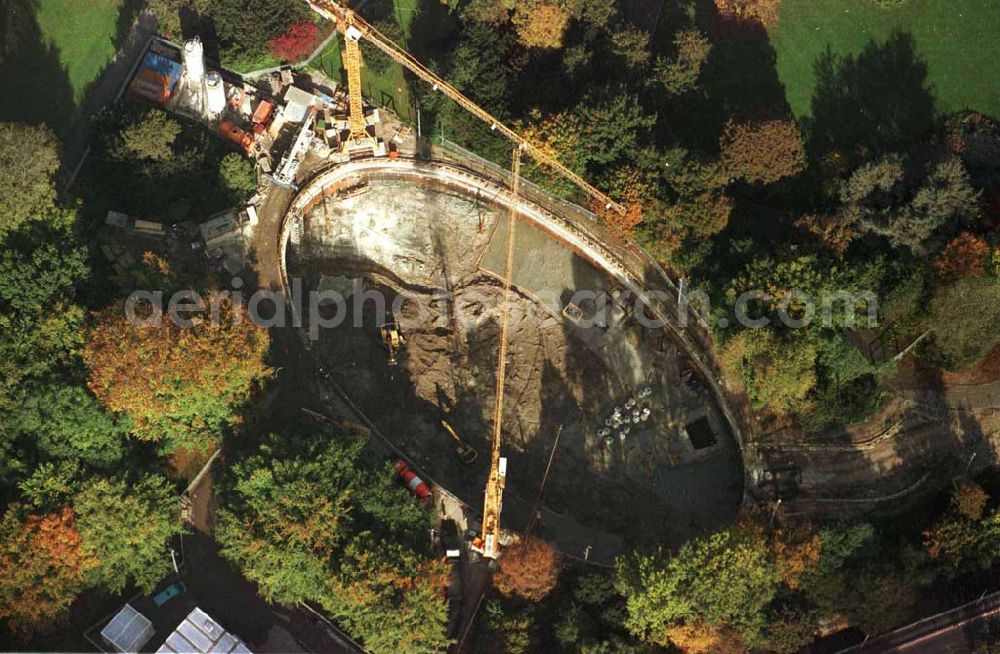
<point x="156" y="78"/>
<point x="149" y="227"/>
<point x="128" y="631"/>
<point x="298" y="104"/>
<point x="118" y="219"/>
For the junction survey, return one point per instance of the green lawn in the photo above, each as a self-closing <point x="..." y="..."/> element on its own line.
<point x="958" y="39"/>
<point x="82" y="31"/>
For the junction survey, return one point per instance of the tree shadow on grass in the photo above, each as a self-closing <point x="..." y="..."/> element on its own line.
<point x="875" y="103"/>
<point x="739" y="79"/>
<point x="36" y="87"/>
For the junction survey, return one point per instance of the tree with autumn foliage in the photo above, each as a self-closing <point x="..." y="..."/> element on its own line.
<point x="765" y="12"/>
<point x="696" y="637"/>
<point x="630" y="187"/>
<point x="540" y="24"/>
<point x="963" y="256"/>
<point x="43" y="565"/>
<point x="966" y="537"/>
<point x="528" y="569"/>
<point x="297" y="41"/>
<point x="763" y="151"/>
<point x="179" y="384"/>
<point x="722" y="581"/>
<point x="307" y="518"/>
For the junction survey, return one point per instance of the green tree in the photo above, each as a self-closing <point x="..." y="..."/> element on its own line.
<point x="29" y="157"/>
<point x="964" y="317"/>
<point x="877" y="199"/>
<point x="378" y="61"/>
<point x="680" y="74"/>
<point x="245" y="26"/>
<point x="128" y="527"/>
<point x="66" y="422"/>
<point x="238" y="176"/>
<point x="40" y="326"/>
<point x="306" y="519"/>
<point x="35" y="274"/>
<point x="505" y="630"/>
<point x="585" y="140"/>
<point x="777" y="373"/>
<point x="151" y="137"/>
<point x="790" y="630"/>
<point x="50" y="485"/>
<point x="725" y="579"/>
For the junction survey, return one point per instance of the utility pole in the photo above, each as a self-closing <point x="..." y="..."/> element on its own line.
<point x="775" y="513"/>
<point x="541" y="487"/>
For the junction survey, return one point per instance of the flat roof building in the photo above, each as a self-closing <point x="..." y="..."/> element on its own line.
<point x="128" y="631"/>
<point x="200" y="634"/>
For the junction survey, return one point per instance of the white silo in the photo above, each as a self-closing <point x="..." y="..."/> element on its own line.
<point x="216" y="92"/>
<point x="194" y="60"/>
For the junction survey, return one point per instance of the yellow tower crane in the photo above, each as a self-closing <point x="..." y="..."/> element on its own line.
<point x="358" y="138"/>
<point x="346" y="21"/>
<point x="493" y="496"/>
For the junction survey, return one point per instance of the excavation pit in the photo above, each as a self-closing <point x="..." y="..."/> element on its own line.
<point x="427" y="253"/>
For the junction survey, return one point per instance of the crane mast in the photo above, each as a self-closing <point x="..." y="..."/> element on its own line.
<point x="347" y="20"/>
<point x="352" y="61"/>
<point x="493" y="496"/>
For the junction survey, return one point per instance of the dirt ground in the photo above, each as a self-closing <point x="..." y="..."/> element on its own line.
<point x="564" y="379"/>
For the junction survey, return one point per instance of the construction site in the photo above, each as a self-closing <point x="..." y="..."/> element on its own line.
<point x="509" y="360"/>
<point x="490" y="334"/>
<point x="638" y="451"/>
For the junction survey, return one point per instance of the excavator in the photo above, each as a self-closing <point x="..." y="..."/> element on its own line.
<point x="392" y="341"/>
<point x="354" y="28"/>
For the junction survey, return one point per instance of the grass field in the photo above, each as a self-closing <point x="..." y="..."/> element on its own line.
<point x="83" y="32"/>
<point x="958" y="39"/>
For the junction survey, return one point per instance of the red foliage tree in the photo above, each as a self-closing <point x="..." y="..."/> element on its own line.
<point x="297" y="41"/>
<point x="963" y="256"/>
<point x="528" y="569"/>
<point x="42" y="567"/>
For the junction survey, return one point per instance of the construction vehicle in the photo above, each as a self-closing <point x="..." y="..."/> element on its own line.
<point x="354" y="28"/>
<point x="391" y="340"/>
<point x="236" y="135"/>
<point x="466" y="453"/>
